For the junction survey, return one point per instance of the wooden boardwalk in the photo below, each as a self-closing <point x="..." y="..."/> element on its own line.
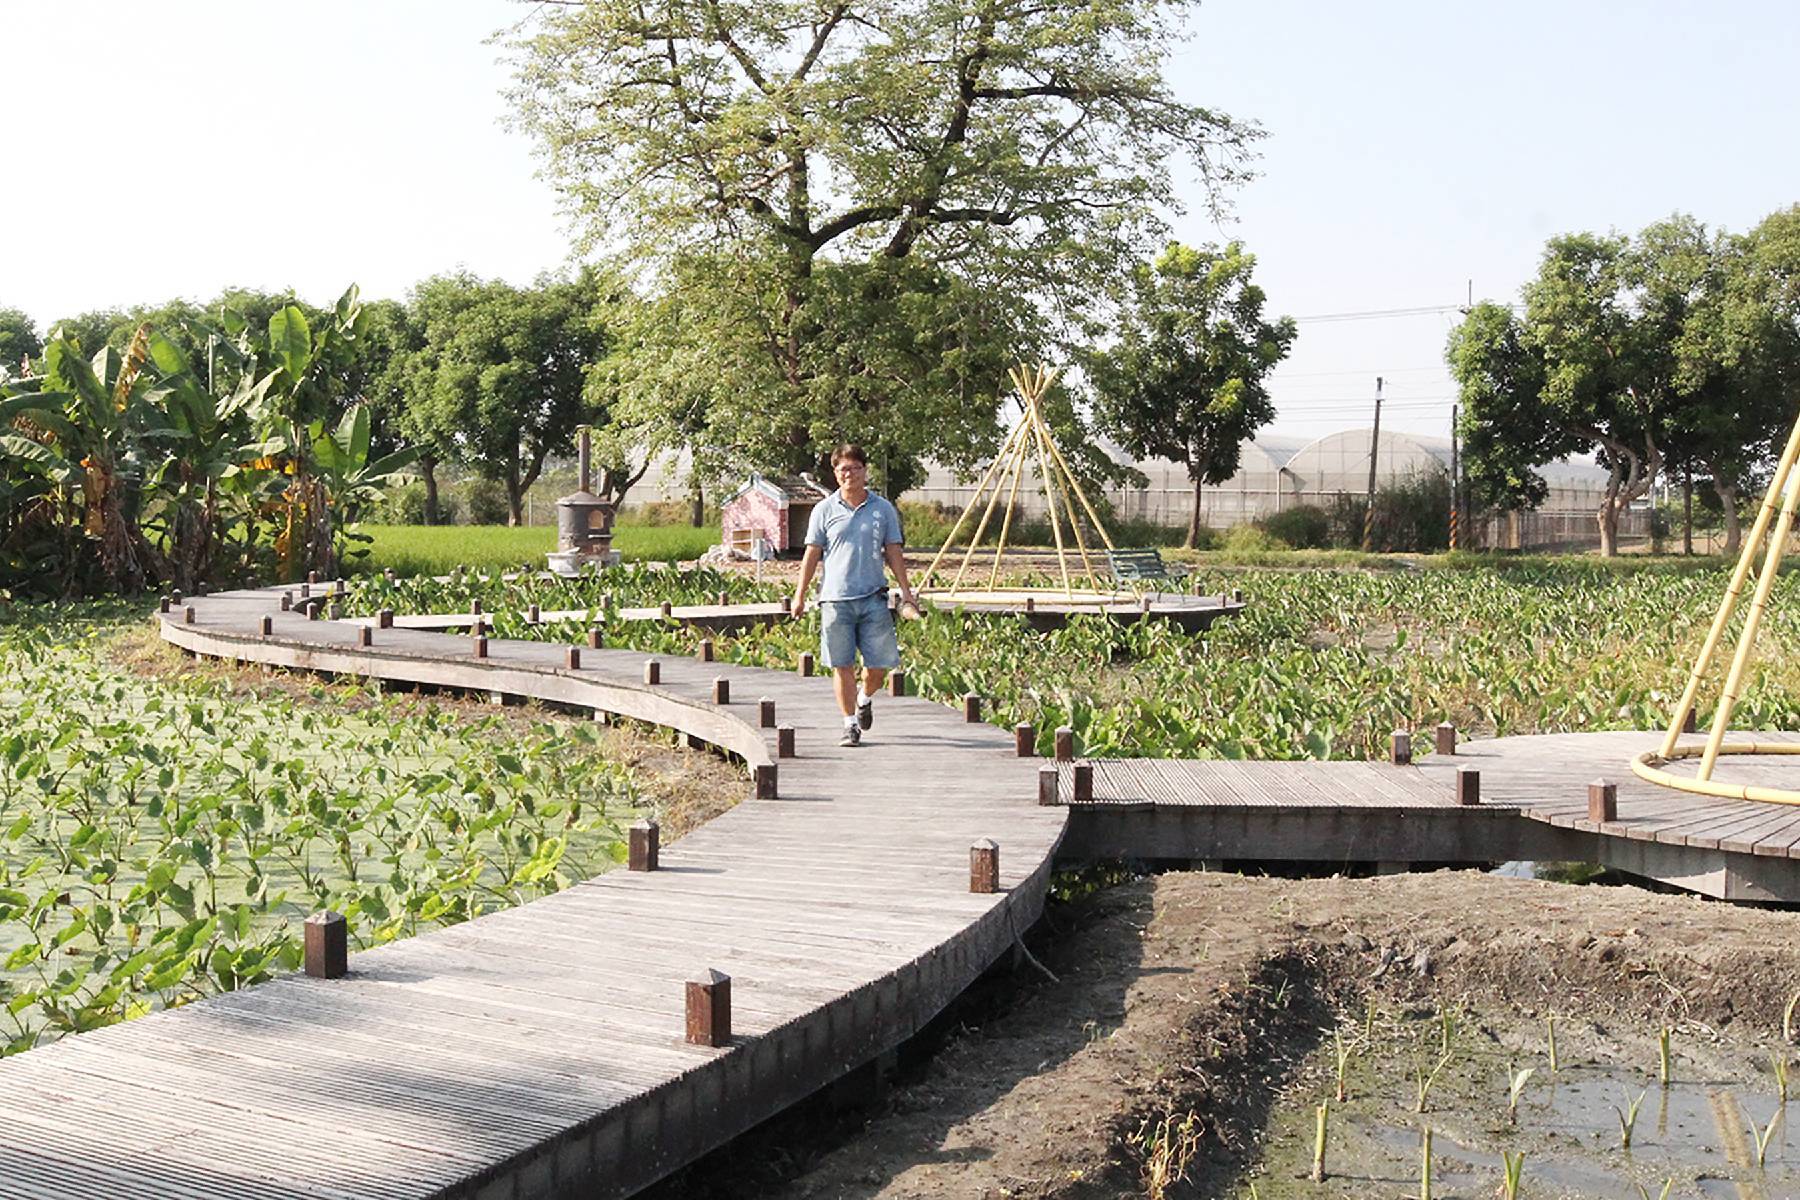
<point x="539" y="1051"/>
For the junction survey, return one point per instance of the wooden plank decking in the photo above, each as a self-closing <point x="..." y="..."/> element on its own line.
<point x="539" y="1051"/>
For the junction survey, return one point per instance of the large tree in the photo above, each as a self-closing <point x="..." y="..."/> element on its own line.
<point x="496" y="376"/>
<point x="1186" y="378"/>
<point x="19" y="342"/>
<point x="869" y="202"/>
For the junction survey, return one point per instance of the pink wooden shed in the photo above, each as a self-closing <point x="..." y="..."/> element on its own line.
<point x="776" y="510"/>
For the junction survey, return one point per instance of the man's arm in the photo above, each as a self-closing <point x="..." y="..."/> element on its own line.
<point x="809" y="564"/>
<point x="895" y="553"/>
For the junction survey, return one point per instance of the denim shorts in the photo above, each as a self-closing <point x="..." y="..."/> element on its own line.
<point x="864" y="624"/>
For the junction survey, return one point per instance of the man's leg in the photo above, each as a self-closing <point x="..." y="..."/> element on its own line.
<point x="843" y="680"/>
<point x="873" y="678"/>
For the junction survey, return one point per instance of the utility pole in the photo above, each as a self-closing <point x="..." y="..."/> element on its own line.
<point x="1455" y="479"/>
<point x="1368" y="543"/>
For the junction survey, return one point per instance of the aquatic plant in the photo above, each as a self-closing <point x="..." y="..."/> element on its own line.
<point x="1778" y="1062"/>
<point x="1550" y="1027"/>
<point x="1763" y="1135"/>
<point x="1425" y="1164"/>
<point x="1343" y="1064"/>
<point x="1664" y="1069"/>
<point x="1516" y="1088"/>
<point x="1323" y="1115"/>
<point x="1628" y="1119"/>
<point x="1512" y="1168"/>
<point x="1425" y="1081"/>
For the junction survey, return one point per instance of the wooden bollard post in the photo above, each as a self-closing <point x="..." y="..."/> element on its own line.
<point x="187" y="615"/>
<point x="305" y="591"/>
<point x="1024" y="740"/>
<point x="1400" y="747"/>
<point x="1446" y="738"/>
<point x="336" y="612"/>
<point x="721" y="690"/>
<point x="162" y="605"/>
<point x="1049" y="786"/>
<point x="475" y="608"/>
<point x="705" y="652"/>
<point x="972" y="708"/>
<point x="784" y="742"/>
<point x="594" y="638"/>
<point x="572" y="658"/>
<point x="805" y="666"/>
<point x="787" y="604"/>
<point x="1031" y="604"/>
<point x="1237" y="595"/>
<point x="268" y="625"/>
<point x="667" y="609"/>
<point x="312" y="577"/>
<point x="365" y="636"/>
<point x="1084" y="783"/>
<point x="653" y="672"/>
<point x="765" y="713"/>
<point x="765" y="778"/>
<point x="385" y="618"/>
<point x="1468" y="786"/>
<point x="200" y="588"/>
<point x="709" y="1009"/>
<point x="175" y="597"/>
<point x="287" y="602"/>
<point x="897" y="681"/>
<point x="722" y="598"/>
<point x="1603" y="800"/>
<point x="480" y="646"/>
<point x="532" y="614"/>
<point x="1143" y="604"/>
<point x="327" y="946"/>
<point x="984" y="867"/>
<point x="645" y="842"/>
<point x="1065" y="744"/>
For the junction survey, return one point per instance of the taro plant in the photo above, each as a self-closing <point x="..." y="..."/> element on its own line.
<point x="1343" y="1052"/>
<point x="1778" y="1064"/>
<point x="1515" y="1088"/>
<point x="1665" y="1071"/>
<point x="1424" y="1082"/>
<point x="1425" y="1163"/>
<point x="1550" y="1030"/>
<point x="1512" y="1166"/>
<point x="1763" y="1135"/>
<point x="1322" y="1117"/>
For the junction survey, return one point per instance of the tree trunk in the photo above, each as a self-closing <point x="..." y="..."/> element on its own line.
<point x="697" y="505"/>
<point x="1515" y="534"/>
<point x="1734" y="528"/>
<point x="1608" y="520"/>
<point x="1193" y="530"/>
<point x="428" y="472"/>
<point x="515" y="501"/>
<point x="1687" y="513"/>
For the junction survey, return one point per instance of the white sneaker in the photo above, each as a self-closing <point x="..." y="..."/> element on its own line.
<point x="865" y="712"/>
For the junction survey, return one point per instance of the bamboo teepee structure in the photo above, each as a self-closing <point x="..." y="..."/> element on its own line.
<point x="1029" y="443"/>
<point x="1778" y="509"/>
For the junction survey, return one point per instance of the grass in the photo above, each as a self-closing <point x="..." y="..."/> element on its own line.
<point x="435" y="549"/>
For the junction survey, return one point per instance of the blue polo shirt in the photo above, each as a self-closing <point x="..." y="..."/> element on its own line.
<point x="853" y="540"/>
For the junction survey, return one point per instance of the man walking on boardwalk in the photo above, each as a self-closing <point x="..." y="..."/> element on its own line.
<point x="854" y="532"/>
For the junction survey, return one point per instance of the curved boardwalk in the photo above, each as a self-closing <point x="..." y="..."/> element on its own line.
<point x="539" y="1051"/>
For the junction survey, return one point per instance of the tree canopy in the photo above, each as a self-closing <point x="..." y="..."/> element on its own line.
<point x="856" y="214"/>
<point x="18" y="341"/>
<point x="1186" y="379"/>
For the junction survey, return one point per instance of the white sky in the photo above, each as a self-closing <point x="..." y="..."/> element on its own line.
<point x="175" y="149"/>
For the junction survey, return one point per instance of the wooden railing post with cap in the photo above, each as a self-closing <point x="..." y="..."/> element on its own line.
<point x="287" y="602"/>
<point x="721" y="690"/>
<point x="572" y="658"/>
<point x="652" y="672"/>
<point x="480" y="646"/>
<point x="984" y="867"/>
<point x="365" y="636"/>
<point x="709" y="1009"/>
<point x="645" y="845"/>
<point x="1065" y="744"/>
<point x="972" y="708"/>
<point x="764" y="776"/>
<point x="1446" y="738"/>
<point x="1468" y="786"/>
<point x="897" y="681"/>
<point x="765" y="713"/>
<point x="1400" y="747"/>
<point x="267" y="625"/>
<point x="1084" y="783"/>
<point x="593" y="638"/>
<point x="784" y="742"/>
<point x="1603" y="801"/>
<point x="705" y="652"/>
<point x="1024" y="740"/>
<point x="385" y="618"/>
<point x="805" y="664"/>
<point x="327" y="946"/>
<point x="1048" y="786"/>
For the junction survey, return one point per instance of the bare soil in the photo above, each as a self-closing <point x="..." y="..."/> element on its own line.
<point x="1216" y="995"/>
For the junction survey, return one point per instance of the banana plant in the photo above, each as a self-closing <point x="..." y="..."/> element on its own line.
<point x="350" y="482"/>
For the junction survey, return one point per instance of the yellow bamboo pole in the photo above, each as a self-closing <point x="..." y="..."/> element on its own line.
<point x="1006" y="521"/>
<point x="970" y="506"/>
<point x="1757" y="531"/>
<point x="1062" y="561"/>
<point x="986" y="516"/>
<point x="1092" y="515"/>
<point x="1765" y="583"/>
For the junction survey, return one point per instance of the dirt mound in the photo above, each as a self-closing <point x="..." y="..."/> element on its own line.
<point x="1200" y="993"/>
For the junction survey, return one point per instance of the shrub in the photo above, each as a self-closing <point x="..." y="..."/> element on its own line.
<point x="1303" y="527"/>
<point x="1248" y="539"/>
<point x="406" y="506"/>
<point x="486" y="499"/>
